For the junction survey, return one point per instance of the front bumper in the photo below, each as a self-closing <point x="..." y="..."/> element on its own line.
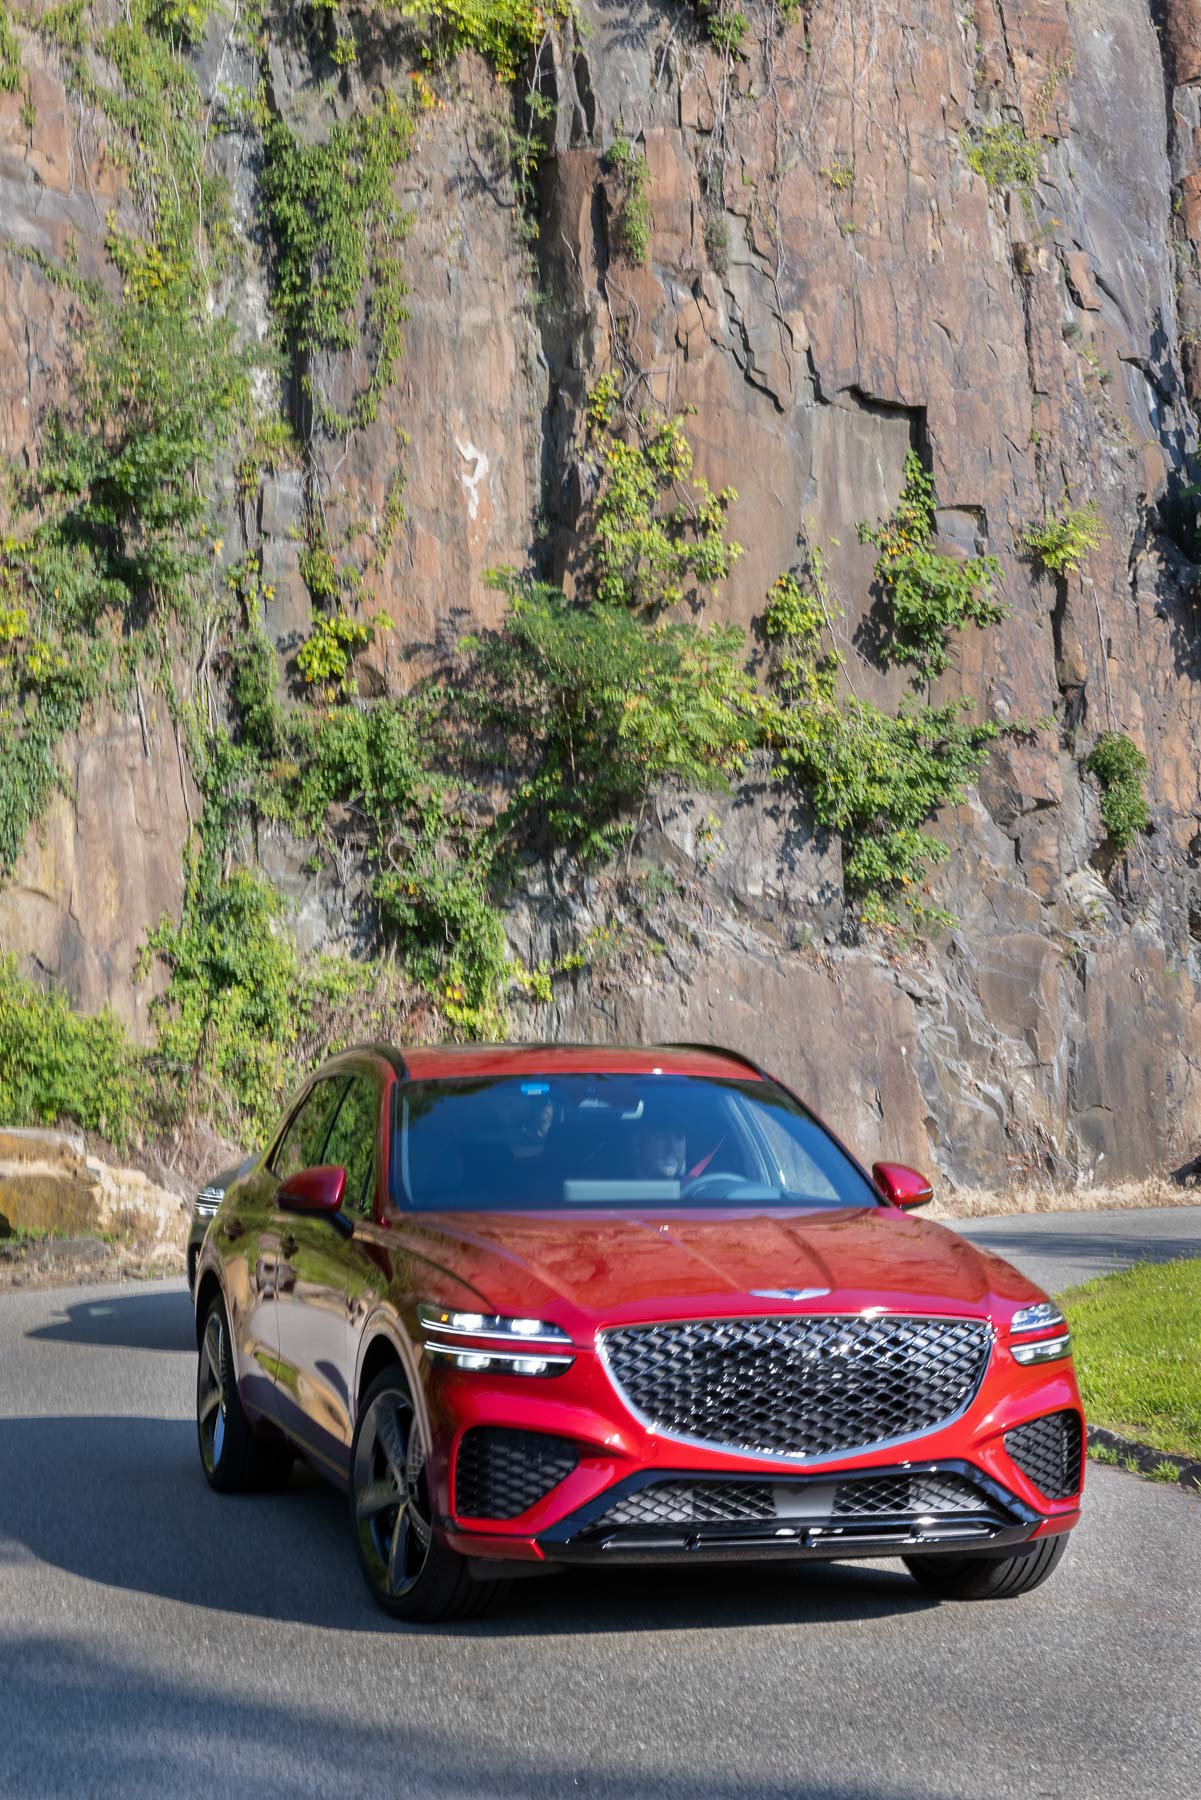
<point x="814" y="1508"/>
<point x="812" y="1516"/>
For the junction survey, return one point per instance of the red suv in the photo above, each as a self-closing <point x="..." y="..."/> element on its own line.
<point x="534" y="1306"/>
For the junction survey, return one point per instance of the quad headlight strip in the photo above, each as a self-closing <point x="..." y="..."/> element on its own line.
<point x="208" y="1200"/>
<point x="487" y="1344"/>
<point x="1043" y="1318"/>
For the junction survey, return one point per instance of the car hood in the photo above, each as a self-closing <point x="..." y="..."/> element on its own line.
<point x="610" y="1267"/>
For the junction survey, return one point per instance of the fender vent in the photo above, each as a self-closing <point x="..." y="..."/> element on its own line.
<point x="1048" y="1452"/>
<point x="500" y="1473"/>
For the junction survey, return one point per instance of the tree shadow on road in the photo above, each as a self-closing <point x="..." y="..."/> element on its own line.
<point x="78" y="1720"/>
<point x="121" y="1501"/>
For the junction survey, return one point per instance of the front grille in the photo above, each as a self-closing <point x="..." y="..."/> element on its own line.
<point x="500" y="1473"/>
<point x="1049" y="1451"/>
<point x="879" y="1496"/>
<point x="692" y="1503"/>
<point x="801" y="1387"/>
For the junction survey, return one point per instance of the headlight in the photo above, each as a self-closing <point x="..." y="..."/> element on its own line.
<point x="487" y="1343"/>
<point x="208" y="1200"/>
<point x="1053" y="1339"/>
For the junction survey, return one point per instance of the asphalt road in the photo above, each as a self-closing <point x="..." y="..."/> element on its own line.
<point x="1060" y="1249"/>
<point x="157" y="1639"/>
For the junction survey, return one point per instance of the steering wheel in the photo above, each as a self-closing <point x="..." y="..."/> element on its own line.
<point x="707" y="1184"/>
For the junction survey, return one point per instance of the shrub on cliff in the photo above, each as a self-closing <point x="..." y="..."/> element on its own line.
<point x="57" y="1065"/>
<point x="599" y="707"/>
<point x="1060" y="542"/>
<point x="928" y="594"/>
<point x="1120" y="766"/>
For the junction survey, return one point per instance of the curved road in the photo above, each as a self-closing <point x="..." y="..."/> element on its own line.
<point x="156" y="1639"/>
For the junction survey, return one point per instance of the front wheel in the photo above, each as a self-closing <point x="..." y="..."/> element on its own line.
<point x="410" y="1575"/>
<point x="954" y="1577"/>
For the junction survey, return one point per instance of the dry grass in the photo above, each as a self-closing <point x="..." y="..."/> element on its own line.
<point x="979" y="1203"/>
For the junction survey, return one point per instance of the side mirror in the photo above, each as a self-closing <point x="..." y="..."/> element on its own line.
<point x="901" y="1184"/>
<point x="312" y="1190"/>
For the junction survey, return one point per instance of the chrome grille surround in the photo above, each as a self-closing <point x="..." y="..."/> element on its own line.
<point x="804" y="1389"/>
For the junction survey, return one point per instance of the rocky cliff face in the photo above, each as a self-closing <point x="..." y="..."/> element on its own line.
<point x="829" y="283"/>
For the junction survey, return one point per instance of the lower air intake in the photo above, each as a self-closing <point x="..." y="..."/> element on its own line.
<point x="692" y="1503"/>
<point x="901" y="1496"/>
<point x="500" y="1474"/>
<point x="1048" y="1451"/>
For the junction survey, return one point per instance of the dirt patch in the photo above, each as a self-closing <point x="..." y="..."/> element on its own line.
<point x="38" y="1262"/>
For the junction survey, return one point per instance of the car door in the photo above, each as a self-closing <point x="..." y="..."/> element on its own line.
<point x="352" y="1145"/>
<point x="314" y="1379"/>
<point x="310" y="1277"/>
<point x="246" y="1239"/>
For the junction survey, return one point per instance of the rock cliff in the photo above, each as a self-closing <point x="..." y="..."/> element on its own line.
<point x="968" y="230"/>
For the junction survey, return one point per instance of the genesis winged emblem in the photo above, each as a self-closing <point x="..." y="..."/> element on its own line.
<point x="815" y="1293"/>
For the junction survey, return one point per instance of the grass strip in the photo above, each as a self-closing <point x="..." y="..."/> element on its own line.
<point x="1137" y="1341"/>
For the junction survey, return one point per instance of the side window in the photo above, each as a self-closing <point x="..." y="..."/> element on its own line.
<point x="351" y="1144"/>
<point x="304" y="1140"/>
<point x="791" y="1163"/>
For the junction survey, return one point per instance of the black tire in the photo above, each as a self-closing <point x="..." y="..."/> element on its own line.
<point x="409" y="1574"/>
<point x="988" y="1577"/>
<point x="234" y="1460"/>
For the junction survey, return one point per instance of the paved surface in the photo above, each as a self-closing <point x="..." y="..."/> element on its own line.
<point x="1059" y="1249"/>
<point x="157" y="1639"/>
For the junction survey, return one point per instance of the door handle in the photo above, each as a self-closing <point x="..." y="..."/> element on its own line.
<point x="288" y="1246"/>
<point x="234" y="1230"/>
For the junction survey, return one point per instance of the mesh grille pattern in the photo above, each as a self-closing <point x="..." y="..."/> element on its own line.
<point x="802" y="1386"/>
<point x="1048" y="1450"/>
<point x="500" y="1473"/>
<point x="693" y="1503"/>
<point x="906" y="1495"/>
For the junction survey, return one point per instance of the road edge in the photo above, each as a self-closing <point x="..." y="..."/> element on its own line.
<point x="1148" y="1460"/>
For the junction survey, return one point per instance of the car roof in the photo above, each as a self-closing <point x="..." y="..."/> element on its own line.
<point x="446" y="1061"/>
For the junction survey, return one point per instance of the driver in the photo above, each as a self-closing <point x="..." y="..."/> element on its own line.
<point x="664" y="1153"/>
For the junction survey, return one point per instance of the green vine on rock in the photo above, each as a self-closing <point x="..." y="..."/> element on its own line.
<point x="632" y="226"/>
<point x="658" y="529"/>
<point x="874" y="778"/>
<point x="928" y="595"/>
<point x="336" y="228"/>
<point x="112" y="535"/>
<point x="504" y="32"/>
<point x="10" y="54"/>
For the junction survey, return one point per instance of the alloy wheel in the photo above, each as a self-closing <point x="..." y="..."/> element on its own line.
<point x="212" y="1390"/>
<point x="391" y="1497"/>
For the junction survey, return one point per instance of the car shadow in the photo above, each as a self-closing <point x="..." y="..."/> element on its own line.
<point x="122" y="1501"/>
<point x="158" y="1319"/>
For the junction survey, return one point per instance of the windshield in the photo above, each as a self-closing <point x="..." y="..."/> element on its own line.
<point x="528" y="1143"/>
